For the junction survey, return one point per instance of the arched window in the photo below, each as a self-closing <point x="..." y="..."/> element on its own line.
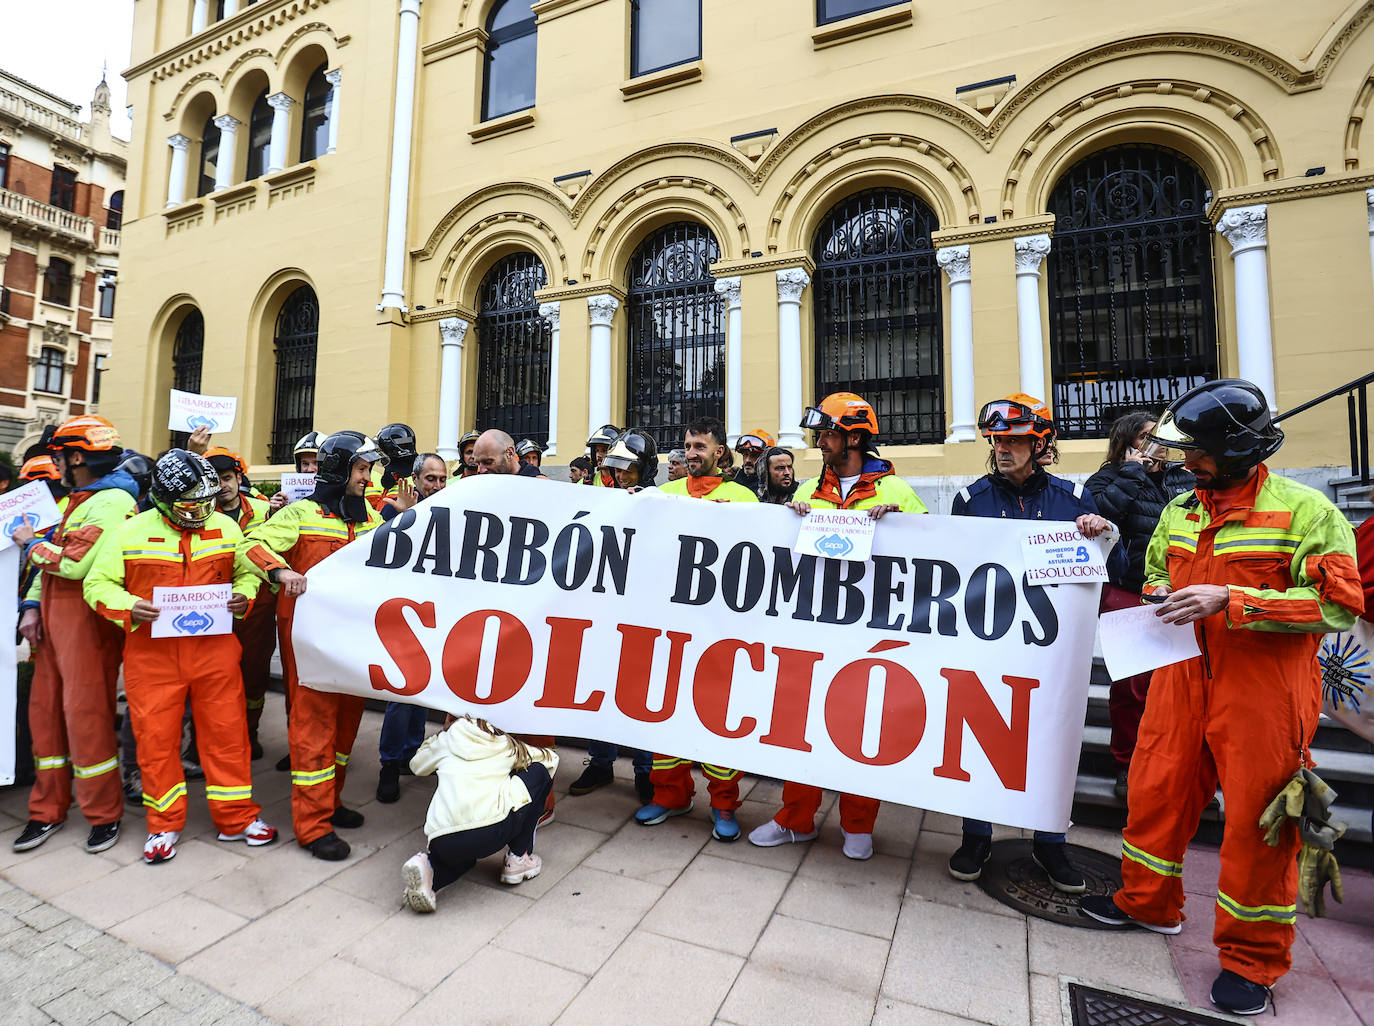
<point x="663" y="33"/>
<point x="209" y="157"/>
<point x="319" y="107"/>
<point x="513" y="350"/>
<point x="1132" y="315"/>
<point x="296" y="338"/>
<point x="877" y="298"/>
<point x="50" y="371"/>
<point x="508" y="84"/>
<point x="677" y="332"/>
<point x="188" y="351"/>
<point x="114" y="218"/>
<point x="259" y="138"/>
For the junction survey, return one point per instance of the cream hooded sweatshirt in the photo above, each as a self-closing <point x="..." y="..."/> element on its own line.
<point x="476" y="788"/>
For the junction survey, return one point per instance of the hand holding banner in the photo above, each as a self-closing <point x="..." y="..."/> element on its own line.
<point x="190" y="410"/>
<point x="30" y="506"/>
<point x="197" y="611"/>
<point x="1061" y="554"/>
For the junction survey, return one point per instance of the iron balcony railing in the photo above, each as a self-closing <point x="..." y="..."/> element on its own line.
<point x="1357" y="414"/>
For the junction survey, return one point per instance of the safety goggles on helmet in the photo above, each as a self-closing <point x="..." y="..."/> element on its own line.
<point x="750" y="443"/>
<point x="1012" y="417"/>
<point x="818" y="420"/>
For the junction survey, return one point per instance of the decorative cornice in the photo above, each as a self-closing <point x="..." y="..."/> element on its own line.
<point x="764" y="265"/>
<point x="729" y="289"/>
<point x="438" y="313"/>
<point x="1289" y="189"/>
<point x="551" y="312"/>
<point x="509" y="218"/>
<point x="1011" y="228"/>
<point x="1031" y="251"/>
<point x="736" y="216"/>
<point x="460" y="42"/>
<point x="546" y="11"/>
<point x="792" y="283"/>
<point x="584" y="290"/>
<point x="705" y="150"/>
<point x="601" y="308"/>
<point x="501" y="190"/>
<point x="1244" y="228"/>
<point x="955" y="261"/>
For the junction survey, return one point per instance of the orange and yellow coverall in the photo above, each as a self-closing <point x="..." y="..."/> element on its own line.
<point x="257" y="632"/>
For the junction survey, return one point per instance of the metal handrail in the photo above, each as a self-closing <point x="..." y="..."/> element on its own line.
<point x="1357" y="414"/>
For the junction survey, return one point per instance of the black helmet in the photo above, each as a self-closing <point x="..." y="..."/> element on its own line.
<point x="606" y="434"/>
<point x="397" y="441"/>
<point x="634" y="448"/>
<point x="139" y="467"/>
<point x="526" y="446"/>
<point x="1228" y="419"/>
<point x="340" y="451"/>
<point x="308" y="443"/>
<point x="471" y="436"/>
<point x="184" y="488"/>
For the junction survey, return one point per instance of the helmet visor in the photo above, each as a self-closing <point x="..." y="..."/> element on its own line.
<point x="1006" y="417"/>
<point x="620" y="457"/>
<point x="749" y="443"/>
<point x="818" y="420"/>
<point x="192" y="512"/>
<point x="1167" y="442"/>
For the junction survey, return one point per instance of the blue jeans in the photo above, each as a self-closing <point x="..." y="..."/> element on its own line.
<point x="403" y="730"/>
<point x="980" y="829"/>
<point x="603" y="753"/>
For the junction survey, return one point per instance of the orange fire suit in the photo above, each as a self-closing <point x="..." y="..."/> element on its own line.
<point x="72" y="700"/>
<point x="322" y="726"/>
<point x="877" y="486"/>
<point x="671" y="776"/>
<point x="1243" y="713"/>
<point x="257" y="632"/>
<point x="150" y="552"/>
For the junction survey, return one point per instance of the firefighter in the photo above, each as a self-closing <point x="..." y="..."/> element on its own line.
<point x="467" y="466"/>
<point x="72" y="698"/>
<point x="750" y="447"/>
<point x="322" y="726"/>
<point x="397" y="442"/>
<point x="305" y="452"/>
<point x="705" y="446"/>
<point x="852" y="477"/>
<point x="257" y="631"/>
<point x="1261" y="567"/>
<point x="598" y="444"/>
<point x="182" y="542"/>
<point x="42" y="468"/>
<point x="140" y="468"/>
<point x="530" y="452"/>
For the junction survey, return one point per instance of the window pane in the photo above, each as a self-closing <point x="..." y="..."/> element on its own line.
<point x="510" y="77"/>
<point x="513" y="12"/>
<point x="833" y="10"/>
<point x="50" y="371"/>
<point x="319" y="105"/>
<point x="4" y="166"/>
<point x="259" y="137"/>
<point x="116" y="214"/>
<point x="107" y="297"/>
<point x="63" y="193"/>
<point x="666" y="32"/>
<point x="57" y="283"/>
<point x="209" y="156"/>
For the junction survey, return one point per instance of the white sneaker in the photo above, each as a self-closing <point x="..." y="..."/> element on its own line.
<point x="858" y="846"/>
<point x="520" y="867"/>
<point x="418" y="875"/>
<point x="161" y="847"/>
<point x="771" y="834"/>
<point x="256" y="833"/>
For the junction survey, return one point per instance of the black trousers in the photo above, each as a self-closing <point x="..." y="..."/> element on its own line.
<point x="452" y="855"/>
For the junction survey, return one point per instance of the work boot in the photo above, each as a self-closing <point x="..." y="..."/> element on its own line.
<point x="644" y="787"/>
<point x="102" y="836"/>
<point x="331" y="847"/>
<point x="594" y="776"/>
<point x="418" y="875"/>
<point x="1053" y="858"/>
<point x="348" y="819"/>
<point x="967" y="863"/>
<point x="35" y="834"/>
<point x="389" y="783"/>
<point x="1233" y="993"/>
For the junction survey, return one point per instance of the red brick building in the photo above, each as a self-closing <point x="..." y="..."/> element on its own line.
<point x="61" y="203"/>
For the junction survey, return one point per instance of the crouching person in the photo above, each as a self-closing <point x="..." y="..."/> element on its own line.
<point x="492" y="788"/>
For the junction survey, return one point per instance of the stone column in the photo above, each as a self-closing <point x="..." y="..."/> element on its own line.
<point x="228" y="126"/>
<point x="231" y="8"/>
<point x="199" y="13"/>
<point x="729" y="290"/>
<point x="452" y="332"/>
<point x="1247" y="230"/>
<point x="335" y="79"/>
<point x="281" y="105"/>
<point x="176" y="177"/>
<point x="601" y="308"/>
<point x="1031" y="251"/>
<point x="792" y="282"/>
<point x="398" y="186"/>
<point x="956" y="262"/>
<point x="550" y="312"/>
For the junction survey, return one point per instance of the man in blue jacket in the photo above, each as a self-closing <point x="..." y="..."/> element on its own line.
<point x="1020" y="429"/>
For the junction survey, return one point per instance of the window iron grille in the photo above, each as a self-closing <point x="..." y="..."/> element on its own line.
<point x="1131" y="302"/>
<point x="296" y="342"/>
<point x="513" y="344"/>
<point x="188" y="352"/>
<point x="878" y="298"/>
<point x="676" y="322"/>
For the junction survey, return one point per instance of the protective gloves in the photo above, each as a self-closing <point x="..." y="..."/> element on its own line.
<point x="1316" y="868"/>
<point x="1307" y="799"/>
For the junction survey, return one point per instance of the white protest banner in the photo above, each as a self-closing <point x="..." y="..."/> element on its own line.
<point x="1061" y="554"/>
<point x="1135" y="640"/>
<point x="190" y="410"/>
<point x="836" y="534"/>
<point x="197" y="611"/>
<point x="932" y="675"/>
<point x="30" y="506"/>
<point x="297" y="486"/>
<point x="9" y="663"/>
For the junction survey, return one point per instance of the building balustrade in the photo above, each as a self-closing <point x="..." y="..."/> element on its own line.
<point x="27" y="111"/>
<point x="16" y="208"/>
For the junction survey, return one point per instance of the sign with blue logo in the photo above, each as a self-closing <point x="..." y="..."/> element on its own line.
<point x="195" y="612"/>
<point x="31" y="506"/>
<point x="189" y="410"/>
<point x="1060" y="554"/>
<point x="837" y="534"/>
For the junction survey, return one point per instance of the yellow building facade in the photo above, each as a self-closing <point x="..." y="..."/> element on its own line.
<point x="731" y="207"/>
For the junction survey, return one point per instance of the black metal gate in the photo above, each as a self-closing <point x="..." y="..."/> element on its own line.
<point x="513" y="350"/>
<point x="1132" y="311"/>
<point x="296" y="343"/>
<point x="677" y="333"/>
<point x="877" y="298"/>
<point x="188" y="353"/>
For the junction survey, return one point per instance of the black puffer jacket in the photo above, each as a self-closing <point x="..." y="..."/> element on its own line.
<point x="1133" y="500"/>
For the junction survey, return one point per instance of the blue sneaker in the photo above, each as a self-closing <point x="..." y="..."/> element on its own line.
<point x="652" y="815"/>
<point x="726" y="828"/>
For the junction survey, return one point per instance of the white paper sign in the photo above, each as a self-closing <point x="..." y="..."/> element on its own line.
<point x="836" y="534"/>
<point x="194" y="612"/>
<point x="1137" y="639"/>
<point x="29" y="506"/>
<point x="9" y="666"/>
<point x="190" y="411"/>
<point x="1058" y="553"/>
<point x="297" y="486"/>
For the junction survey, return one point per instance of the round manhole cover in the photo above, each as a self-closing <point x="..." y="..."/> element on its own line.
<point x="1012" y="877"/>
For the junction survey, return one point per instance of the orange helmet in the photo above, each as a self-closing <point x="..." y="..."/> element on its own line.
<point x="223" y="459"/>
<point x="841" y="411"/>
<point x="88" y="433"/>
<point x="40" y="468"/>
<point x="1017" y="414"/>
<point x="754" y="441"/>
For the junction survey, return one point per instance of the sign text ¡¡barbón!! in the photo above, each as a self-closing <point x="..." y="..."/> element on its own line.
<point x="932" y="674"/>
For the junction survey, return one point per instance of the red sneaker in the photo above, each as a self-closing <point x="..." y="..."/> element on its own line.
<point x="256" y="833"/>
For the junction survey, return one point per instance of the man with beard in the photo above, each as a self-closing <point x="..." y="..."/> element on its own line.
<point x="774" y="479"/>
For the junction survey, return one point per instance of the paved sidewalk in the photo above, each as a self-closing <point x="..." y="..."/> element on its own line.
<point x="625" y="925"/>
